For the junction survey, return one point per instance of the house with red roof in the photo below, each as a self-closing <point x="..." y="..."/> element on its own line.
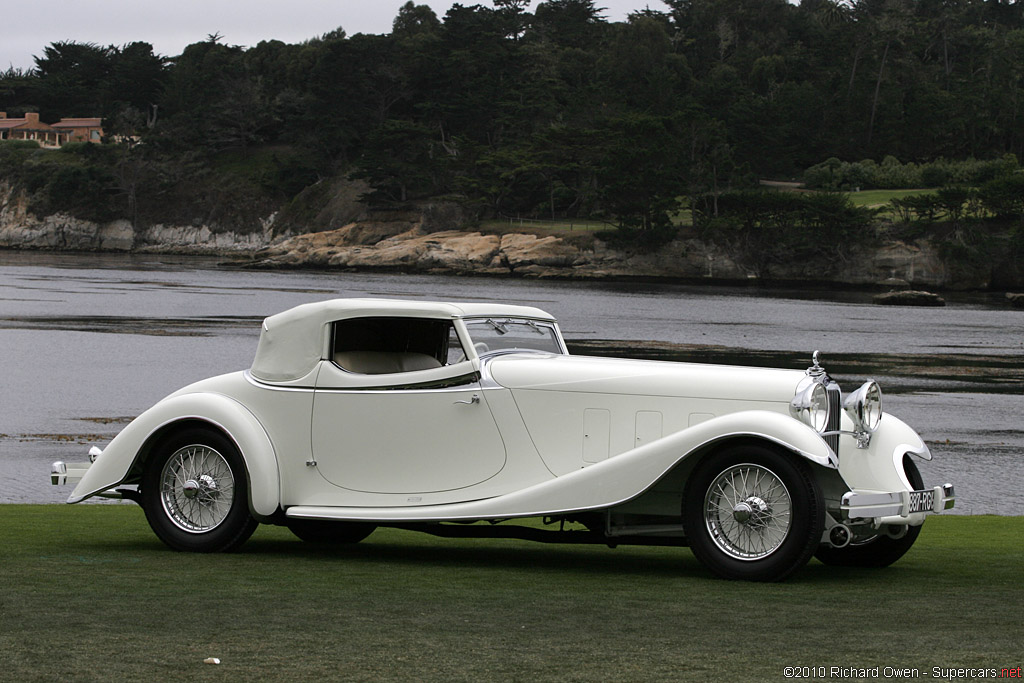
<point x="82" y="130"/>
<point x="29" y="127"/>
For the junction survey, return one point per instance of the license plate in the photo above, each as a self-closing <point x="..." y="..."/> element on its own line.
<point x="922" y="501"/>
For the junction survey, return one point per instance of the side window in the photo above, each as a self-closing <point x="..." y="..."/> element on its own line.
<point x="456" y="354"/>
<point x="374" y="346"/>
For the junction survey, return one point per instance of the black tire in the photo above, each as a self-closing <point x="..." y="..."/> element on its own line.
<point x="880" y="550"/>
<point x="324" y="531"/>
<point x="781" y="504"/>
<point x="195" y="492"/>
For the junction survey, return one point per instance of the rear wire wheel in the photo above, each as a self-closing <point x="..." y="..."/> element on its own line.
<point x="195" y="492"/>
<point x="753" y="513"/>
<point x="882" y="549"/>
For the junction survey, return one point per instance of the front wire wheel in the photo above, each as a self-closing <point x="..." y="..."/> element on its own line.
<point x="753" y="513"/>
<point x="195" y="493"/>
<point x="747" y="512"/>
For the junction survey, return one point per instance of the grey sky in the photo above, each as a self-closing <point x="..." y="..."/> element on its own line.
<point x="169" y="26"/>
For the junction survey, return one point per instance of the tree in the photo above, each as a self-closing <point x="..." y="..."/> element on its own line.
<point x="640" y="177"/>
<point x="568" y="23"/>
<point x="71" y="79"/>
<point x="402" y="161"/>
<point x="414" y="20"/>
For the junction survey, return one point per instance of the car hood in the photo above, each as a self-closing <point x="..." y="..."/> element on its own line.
<point x="640" y="377"/>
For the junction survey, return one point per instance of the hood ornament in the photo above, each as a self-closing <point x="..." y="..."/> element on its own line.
<point x="815" y="370"/>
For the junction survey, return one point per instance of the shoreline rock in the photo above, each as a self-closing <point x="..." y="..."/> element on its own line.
<point x="909" y="297"/>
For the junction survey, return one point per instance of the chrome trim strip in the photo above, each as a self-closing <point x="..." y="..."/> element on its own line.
<point x="459" y="383"/>
<point x="835" y="400"/>
<point x="471" y="385"/>
<point x="272" y="387"/>
<point x="464" y="382"/>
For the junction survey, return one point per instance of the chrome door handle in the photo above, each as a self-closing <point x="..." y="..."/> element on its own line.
<point x="471" y="401"/>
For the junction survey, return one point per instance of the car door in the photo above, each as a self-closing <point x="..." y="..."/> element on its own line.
<point x="421" y="430"/>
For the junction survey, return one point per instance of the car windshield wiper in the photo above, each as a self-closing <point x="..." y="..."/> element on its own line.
<point x="536" y="327"/>
<point x="499" y="327"/>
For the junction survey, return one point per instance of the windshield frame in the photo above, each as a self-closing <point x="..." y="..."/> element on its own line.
<point x="547" y="327"/>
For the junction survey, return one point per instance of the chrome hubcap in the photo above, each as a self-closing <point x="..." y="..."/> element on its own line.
<point x="205" y="485"/>
<point x="752" y="511"/>
<point x="196" y="488"/>
<point x="748" y="511"/>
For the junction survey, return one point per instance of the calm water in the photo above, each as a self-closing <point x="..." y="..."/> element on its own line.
<point x="90" y="341"/>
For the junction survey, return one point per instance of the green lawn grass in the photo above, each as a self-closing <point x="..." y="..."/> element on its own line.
<point x="881" y="198"/>
<point x="506" y="225"/>
<point x="90" y="594"/>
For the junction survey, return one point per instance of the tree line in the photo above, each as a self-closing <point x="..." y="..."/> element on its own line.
<point x="557" y="112"/>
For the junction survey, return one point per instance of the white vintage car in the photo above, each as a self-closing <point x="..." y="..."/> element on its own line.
<point x="360" y="413"/>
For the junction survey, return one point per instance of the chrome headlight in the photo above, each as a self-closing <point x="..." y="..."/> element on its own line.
<point x="864" y="407"/>
<point x="811" y="406"/>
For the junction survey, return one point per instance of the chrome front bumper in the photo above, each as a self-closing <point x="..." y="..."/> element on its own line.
<point x="900" y="504"/>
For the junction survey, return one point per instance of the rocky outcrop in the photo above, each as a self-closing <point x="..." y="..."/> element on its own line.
<point x="1015" y="299"/>
<point x="909" y="297"/>
<point x="21" y="229"/>
<point x="919" y="264"/>
<point x="405" y="245"/>
<point x="368" y="246"/>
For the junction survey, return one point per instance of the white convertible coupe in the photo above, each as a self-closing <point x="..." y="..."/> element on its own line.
<point x="359" y="413"/>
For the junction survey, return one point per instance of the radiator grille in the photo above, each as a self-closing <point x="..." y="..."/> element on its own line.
<point x="834" y="415"/>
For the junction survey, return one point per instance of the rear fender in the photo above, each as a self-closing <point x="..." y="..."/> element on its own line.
<point x="122" y="460"/>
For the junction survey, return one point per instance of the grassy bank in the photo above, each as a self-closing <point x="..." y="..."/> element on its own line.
<point x="90" y="594"/>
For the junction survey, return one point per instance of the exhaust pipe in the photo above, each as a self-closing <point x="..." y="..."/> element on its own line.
<point x="896" y="531"/>
<point x="840" y="536"/>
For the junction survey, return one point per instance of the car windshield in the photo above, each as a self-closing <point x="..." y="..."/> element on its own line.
<point x="497" y="334"/>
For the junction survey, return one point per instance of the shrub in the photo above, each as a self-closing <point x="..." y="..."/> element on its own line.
<point x="934" y="175"/>
<point x="834" y="174"/>
<point x="768" y="228"/>
<point x="1004" y="195"/>
<point x="19" y="144"/>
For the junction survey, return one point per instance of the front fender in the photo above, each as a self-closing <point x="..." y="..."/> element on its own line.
<point x="879" y="467"/>
<point x="117" y="460"/>
<point x="628" y="475"/>
<point x="609" y="482"/>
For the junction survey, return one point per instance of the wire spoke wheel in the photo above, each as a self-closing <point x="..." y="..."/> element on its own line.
<point x="753" y="512"/>
<point x="195" y="492"/>
<point x="748" y="511"/>
<point x="197" y="488"/>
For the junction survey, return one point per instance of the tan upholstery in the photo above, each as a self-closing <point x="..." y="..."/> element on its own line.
<point x="384" y="362"/>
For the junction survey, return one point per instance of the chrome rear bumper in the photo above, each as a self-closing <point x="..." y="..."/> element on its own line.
<point x="62" y="473"/>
